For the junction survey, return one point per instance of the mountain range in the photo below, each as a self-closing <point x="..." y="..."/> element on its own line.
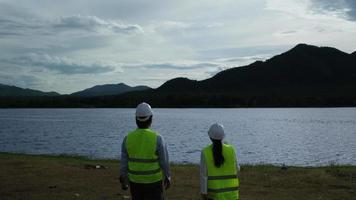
<point x="108" y="89"/>
<point x="13" y="91"/>
<point x="305" y="75"/>
<point x="98" y="90"/>
<point x="303" y="70"/>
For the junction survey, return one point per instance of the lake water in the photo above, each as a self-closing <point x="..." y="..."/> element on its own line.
<point x="293" y="136"/>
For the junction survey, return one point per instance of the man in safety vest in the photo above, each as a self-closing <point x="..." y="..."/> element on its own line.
<point x="144" y="159"/>
<point x="219" y="168"/>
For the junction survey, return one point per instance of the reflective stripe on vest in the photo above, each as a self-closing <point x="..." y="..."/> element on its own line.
<point x="144" y="172"/>
<point x="143" y="165"/>
<point x="222" y="181"/>
<point x="224" y="189"/>
<point x="143" y="160"/>
<point x="222" y="177"/>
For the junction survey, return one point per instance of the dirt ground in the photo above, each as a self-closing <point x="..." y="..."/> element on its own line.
<point x="66" y="177"/>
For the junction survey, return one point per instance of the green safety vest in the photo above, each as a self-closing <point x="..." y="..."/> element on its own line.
<point x="143" y="165"/>
<point x="223" y="183"/>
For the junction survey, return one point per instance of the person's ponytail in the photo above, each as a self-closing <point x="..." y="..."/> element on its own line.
<point x="217" y="153"/>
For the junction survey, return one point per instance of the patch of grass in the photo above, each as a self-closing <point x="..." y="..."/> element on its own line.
<point x="67" y="177"/>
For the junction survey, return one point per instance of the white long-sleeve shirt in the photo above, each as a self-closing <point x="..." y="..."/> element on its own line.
<point x="204" y="173"/>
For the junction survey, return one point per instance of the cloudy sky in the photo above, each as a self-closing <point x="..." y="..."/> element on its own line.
<point x="68" y="45"/>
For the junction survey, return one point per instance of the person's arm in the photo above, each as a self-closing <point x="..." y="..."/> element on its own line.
<point x="163" y="157"/>
<point x="123" y="165"/>
<point x="203" y="176"/>
<point x="237" y="164"/>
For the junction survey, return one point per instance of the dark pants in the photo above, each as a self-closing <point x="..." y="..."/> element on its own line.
<point x="150" y="191"/>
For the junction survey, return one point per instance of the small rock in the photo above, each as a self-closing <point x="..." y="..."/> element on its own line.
<point x="100" y="167"/>
<point x="52" y="186"/>
<point x="76" y="194"/>
<point x="284" y="167"/>
<point x="87" y="166"/>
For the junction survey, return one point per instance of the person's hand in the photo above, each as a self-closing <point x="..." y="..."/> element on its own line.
<point x="204" y="196"/>
<point x="124" y="183"/>
<point x="124" y="186"/>
<point x="166" y="183"/>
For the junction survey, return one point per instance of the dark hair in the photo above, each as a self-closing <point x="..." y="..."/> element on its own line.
<point x="217" y="152"/>
<point x="144" y="124"/>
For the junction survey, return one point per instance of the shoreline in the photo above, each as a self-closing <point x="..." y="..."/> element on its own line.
<point x="255" y="107"/>
<point x="66" y="177"/>
<point x="88" y="158"/>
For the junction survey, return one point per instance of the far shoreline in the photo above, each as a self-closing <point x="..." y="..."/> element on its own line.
<point x="311" y="107"/>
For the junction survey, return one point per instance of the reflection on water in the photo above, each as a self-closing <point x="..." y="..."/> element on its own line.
<point x="294" y="136"/>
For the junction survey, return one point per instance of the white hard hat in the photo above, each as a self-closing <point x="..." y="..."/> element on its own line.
<point x="143" y="111"/>
<point x="216" y="132"/>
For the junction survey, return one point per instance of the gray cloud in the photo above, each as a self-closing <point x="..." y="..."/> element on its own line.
<point x="13" y="26"/>
<point x="94" y="24"/>
<point x="289" y="32"/>
<point x="77" y="24"/>
<point x="173" y="66"/>
<point x="244" y="59"/>
<point x="24" y="81"/>
<point x="243" y="51"/>
<point x="9" y="33"/>
<point x="217" y="70"/>
<point x="347" y="8"/>
<point x="59" y="64"/>
<point x="180" y="27"/>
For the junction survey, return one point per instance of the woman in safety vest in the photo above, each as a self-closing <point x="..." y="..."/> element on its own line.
<point x="219" y="168"/>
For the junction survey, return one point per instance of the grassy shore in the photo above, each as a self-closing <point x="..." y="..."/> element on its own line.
<point x="65" y="177"/>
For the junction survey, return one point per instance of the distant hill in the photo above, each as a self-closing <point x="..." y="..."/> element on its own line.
<point x="6" y="90"/>
<point x="304" y="76"/>
<point x="108" y="89"/>
<point x="303" y="70"/>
